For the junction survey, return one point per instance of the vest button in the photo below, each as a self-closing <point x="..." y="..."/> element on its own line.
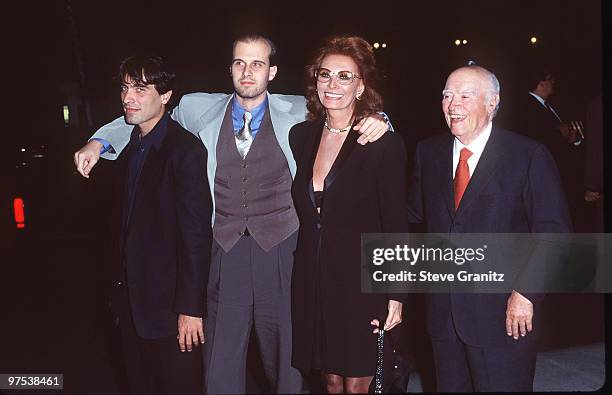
<point x="244" y="165"/>
<point x="244" y="179"/>
<point x="245" y="206"/>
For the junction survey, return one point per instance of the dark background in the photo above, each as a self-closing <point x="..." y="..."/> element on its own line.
<point x="196" y="37"/>
<point x="53" y="274"/>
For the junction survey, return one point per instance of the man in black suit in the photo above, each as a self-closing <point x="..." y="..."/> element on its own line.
<point x="483" y="179"/>
<point x="165" y="236"/>
<point x="535" y="117"/>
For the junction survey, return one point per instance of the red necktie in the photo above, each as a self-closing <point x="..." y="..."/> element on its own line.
<point x="462" y="175"/>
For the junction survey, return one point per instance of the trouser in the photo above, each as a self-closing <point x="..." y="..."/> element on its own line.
<point x="463" y="368"/>
<point x="249" y="287"/>
<point x="156" y="366"/>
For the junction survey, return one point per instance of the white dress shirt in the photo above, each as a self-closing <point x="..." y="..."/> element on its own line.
<point x="476" y="147"/>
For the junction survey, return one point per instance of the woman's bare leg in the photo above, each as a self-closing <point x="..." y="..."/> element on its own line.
<point x="357" y="385"/>
<point x="333" y="383"/>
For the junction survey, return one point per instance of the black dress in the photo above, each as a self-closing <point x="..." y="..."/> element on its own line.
<point x="365" y="192"/>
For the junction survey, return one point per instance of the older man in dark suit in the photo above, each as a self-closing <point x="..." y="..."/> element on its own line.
<point x="483" y="179"/>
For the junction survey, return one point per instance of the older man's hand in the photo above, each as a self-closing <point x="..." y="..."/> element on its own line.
<point x="190" y="332"/>
<point x="519" y="315"/>
<point x="87" y="157"/>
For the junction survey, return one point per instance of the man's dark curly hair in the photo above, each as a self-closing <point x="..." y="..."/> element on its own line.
<point x="144" y="70"/>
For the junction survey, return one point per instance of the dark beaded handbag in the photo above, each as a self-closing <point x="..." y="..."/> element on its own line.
<point x="392" y="371"/>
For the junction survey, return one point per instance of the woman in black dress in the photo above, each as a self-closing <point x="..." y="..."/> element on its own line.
<point x="341" y="190"/>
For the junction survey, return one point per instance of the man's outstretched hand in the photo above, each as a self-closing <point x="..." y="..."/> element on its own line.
<point x="371" y="128"/>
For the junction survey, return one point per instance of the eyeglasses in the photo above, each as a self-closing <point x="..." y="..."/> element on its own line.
<point x="343" y="77"/>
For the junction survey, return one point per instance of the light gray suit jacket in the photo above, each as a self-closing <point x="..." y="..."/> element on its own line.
<point x="202" y="114"/>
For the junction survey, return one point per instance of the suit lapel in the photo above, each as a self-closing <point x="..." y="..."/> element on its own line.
<point x="211" y="124"/>
<point x="150" y="169"/>
<point x="345" y="152"/>
<point x="149" y="175"/>
<point x="121" y="199"/>
<point x="310" y="155"/>
<point x="282" y="121"/>
<point x="489" y="161"/>
<point x="281" y="118"/>
<point x="445" y="166"/>
<point x="543" y="109"/>
<point x="126" y="204"/>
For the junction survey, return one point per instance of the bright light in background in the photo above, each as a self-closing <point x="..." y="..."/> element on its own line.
<point x="66" y="112"/>
<point x="19" y="213"/>
<point x="23" y="150"/>
<point x="464" y="42"/>
<point x="376" y="45"/>
<point x="384" y="45"/>
<point x="457" y="42"/>
<point x="533" y="40"/>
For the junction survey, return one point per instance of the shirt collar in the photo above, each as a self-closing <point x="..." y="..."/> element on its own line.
<point x="238" y="111"/>
<point x="538" y="98"/>
<point x="476" y="146"/>
<point x="156" y="136"/>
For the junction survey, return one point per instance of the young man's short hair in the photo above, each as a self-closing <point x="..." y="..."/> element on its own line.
<point x="251" y="37"/>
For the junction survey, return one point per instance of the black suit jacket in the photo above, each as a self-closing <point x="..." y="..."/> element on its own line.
<point x="364" y="192"/>
<point x="164" y="249"/>
<point x="515" y="188"/>
<point x="539" y="123"/>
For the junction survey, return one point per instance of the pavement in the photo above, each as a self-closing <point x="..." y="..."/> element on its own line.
<point x="572" y="369"/>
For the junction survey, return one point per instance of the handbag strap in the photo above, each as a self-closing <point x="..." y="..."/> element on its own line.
<point x="378" y="377"/>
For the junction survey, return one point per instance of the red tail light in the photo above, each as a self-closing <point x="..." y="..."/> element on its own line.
<point x="19" y="213"/>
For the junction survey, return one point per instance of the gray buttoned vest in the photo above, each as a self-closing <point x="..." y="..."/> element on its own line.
<point x="254" y="193"/>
